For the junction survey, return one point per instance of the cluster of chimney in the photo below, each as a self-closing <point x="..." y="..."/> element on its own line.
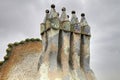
<point x="79" y="27"/>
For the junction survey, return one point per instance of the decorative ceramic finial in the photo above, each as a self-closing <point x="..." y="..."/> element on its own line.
<point x="47" y="15"/>
<point x="64" y="15"/>
<point x="47" y="11"/>
<point x="52" y="6"/>
<point x="73" y="12"/>
<point x="74" y="18"/>
<point x="83" y="21"/>
<point x="53" y="12"/>
<point x="84" y="24"/>
<point x="63" y="9"/>
<point x="82" y="14"/>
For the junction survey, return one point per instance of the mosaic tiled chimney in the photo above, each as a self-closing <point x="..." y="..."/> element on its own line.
<point x="66" y="47"/>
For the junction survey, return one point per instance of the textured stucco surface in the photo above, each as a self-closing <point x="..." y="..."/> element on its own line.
<point x="22" y="63"/>
<point x="26" y="69"/>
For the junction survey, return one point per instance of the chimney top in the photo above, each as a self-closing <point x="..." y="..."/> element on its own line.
<point x="52" y="6"/>
<point x="63" y="9"/>
<point x="73" y="12"/>
<point x="47" y="11"/>
<point x="82" y="14"/>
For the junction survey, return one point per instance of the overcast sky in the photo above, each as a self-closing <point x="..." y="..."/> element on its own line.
<point x="20" y="19"/>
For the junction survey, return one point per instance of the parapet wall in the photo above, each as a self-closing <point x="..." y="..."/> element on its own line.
<point x="21" y="60"/>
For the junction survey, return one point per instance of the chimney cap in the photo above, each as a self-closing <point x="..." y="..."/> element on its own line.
<point x="63" y="9"/>
<point x="73" y="12"/>
<point x="52" y="6"/>
<point x="47" y="11"/>
<point x="82" y="14"/>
